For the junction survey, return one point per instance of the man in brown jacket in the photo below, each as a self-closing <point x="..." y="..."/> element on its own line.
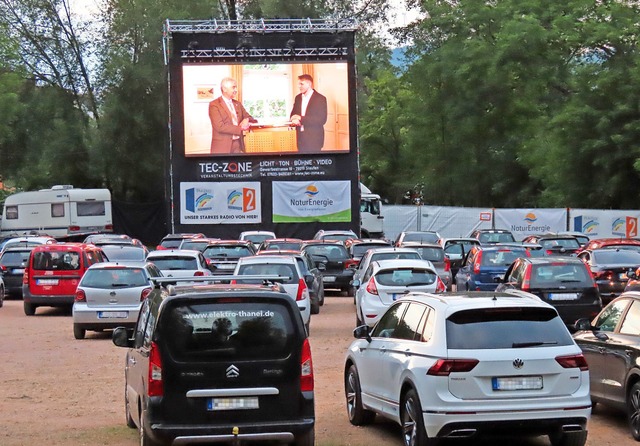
<point x="229" y="120"/>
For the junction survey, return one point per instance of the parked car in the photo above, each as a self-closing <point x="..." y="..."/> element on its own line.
<point x="373" y="255"/>
<point x="611" y="346"/>
<point x="125" y="253"/>
<point x="456" y="250"/>
<point x="256" y="237"/>
<point x="26" y="241"/>
<point x="435" y="254"/>
<point x="358" y="247"/>
<point x="284" y="244"/>
<point x="293" y="282"/>
<point x="337" y="235"/>
<point x="490" y="236"/>
<point x="583" y="239"/>
<point x="310" y="271"/>
<point x="469" y="364"/>
<point x="13" y="262"/>
<point x="179" y="262"/>
<point x="609" y="268"/>
<point x="386" y="281"/>
<point x="564" y="282"/>
<point x="553" y="244"/>
<point x="197" y="244"/>
<point x="219" y="363"/>
<point x="485" y="265"/>
<point x="223" y="255"/>
<point x="333" y="260"/>
<point x="110" y="295"/>
<point x="111" y="239"/>
<point x="53" y="272"/>
<point x="627" y="243"/>
<point x="417" y="237"/>
<point x="173" y="241"/>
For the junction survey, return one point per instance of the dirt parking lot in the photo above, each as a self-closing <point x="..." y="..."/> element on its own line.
<point x="59" y="391"/>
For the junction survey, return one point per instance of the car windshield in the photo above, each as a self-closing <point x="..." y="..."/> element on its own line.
<point x="219" y="331"/>
<point x="557" y="274"/>
<point x="406" y="277"/>
<point x="175" y="262"/>
<point x="512" y="327"/>
<point x="114" y="278"/>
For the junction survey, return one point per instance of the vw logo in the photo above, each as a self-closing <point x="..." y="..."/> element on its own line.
<point x="233" y="371"/>
<point x="518" y="363"/>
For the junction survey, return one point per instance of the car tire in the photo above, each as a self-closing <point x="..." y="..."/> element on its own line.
<point x="358" y="320"/>
<point x="29" y="309"/>
<point x="2" y="296"/>
<point x="351" y="292"/>
<point x="412" y="422"/>
<point x="127" y="413"/>
<point x="315" y="307"/>
<point x="306" y="439"/>
<point x="145" y="440"/>
<point x="578" y="438"/>
<point x="358" y="415"/>
<point x="321" y="299"/>
<point x="78" y="333"/>
<point x="633" y="411"/>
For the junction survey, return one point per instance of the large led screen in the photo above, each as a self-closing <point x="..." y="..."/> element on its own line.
<point x="277" y="108"/>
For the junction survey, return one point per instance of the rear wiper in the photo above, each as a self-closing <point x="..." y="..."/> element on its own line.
<point x="532" y="344"/>
<point x="119" y="285"/>
<point x="570" y="281"/>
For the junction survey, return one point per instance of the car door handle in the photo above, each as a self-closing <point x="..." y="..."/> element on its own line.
<point x="132" y="361"/>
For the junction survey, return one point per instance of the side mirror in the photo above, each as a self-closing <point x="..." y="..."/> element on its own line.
<point x="308" y="278"/>
<point x="322" y="266"/>
<point x="583" y="324"/>
<point x="632" y="274"/>
<point x="362" y="332"/>
<point x="355" y="283"/>
<point x="121" y="338"/>
<point x="499" y="279"/>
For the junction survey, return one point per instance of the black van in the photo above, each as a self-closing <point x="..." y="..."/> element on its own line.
<point x="219" y="363"/>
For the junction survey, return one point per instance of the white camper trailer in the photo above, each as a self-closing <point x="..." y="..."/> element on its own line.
<point x="60" y="212"/>
<point x="371" y="218"/>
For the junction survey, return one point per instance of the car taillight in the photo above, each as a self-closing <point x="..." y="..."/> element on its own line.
<point x="350" y="264"/>
<point x="3" y="268"/>
<point x="306" y="367"/>
<point x="156" y="387"/>
<point x="447" y="264"/>
<point x="476" y="265"/>
<point x="604" y="275"/>
<point x="526" y="281"/>
<point x="443" y="367"/>
<point x="145" y="293"/>
<point x="80" y="296"/>
<point x="108" y="227"/>
<point x="371" y="287"/>
<point x="573" y="362"/>
<point x="25" y="277"/>
<point x="74" y="228"/>
<point x="302" y="289"/>
<point x="440" y="286"/>
<point x="548" y="252"/>
<point x="160" y="248"/>
<point x="198" y="273"/>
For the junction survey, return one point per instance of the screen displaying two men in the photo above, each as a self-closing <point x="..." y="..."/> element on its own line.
<point x="261" y="109"/>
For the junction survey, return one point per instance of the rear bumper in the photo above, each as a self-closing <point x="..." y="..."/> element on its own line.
<point x="543" y="426"/>
<point x="95" y="318"/>
<point x="45" y="300"/>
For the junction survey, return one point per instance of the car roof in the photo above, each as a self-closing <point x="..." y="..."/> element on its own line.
<point x="457" y="301"/>
<point x="550" y="260"/>
<point x="273" y="258"/>
<point x="174" y="252"/>
<point x="421" y="245"/>
<point x="110" y="265"/>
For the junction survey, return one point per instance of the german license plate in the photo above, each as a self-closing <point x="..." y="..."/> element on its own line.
<point x="113" y="314"/>
<point x="226" y="266"/>
<point x="234" y="403"/>
<point x="517" y="383"/>
<point x="329" y="279"/>
<point x="563" y="296"/>
<point x="46" y="281"/>
<point x="18" y="271"/>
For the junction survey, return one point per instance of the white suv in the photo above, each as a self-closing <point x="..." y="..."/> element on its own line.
<point x="280" y="265"/>
<point x="462" y="364"/>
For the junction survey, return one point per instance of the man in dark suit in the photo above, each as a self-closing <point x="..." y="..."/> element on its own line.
<point x="229" y="120"/>
<point x="309" y="114"/>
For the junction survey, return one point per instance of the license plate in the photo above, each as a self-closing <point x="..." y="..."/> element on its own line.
<point x="517" y="383"/>
<point x="46" y="281"/>
<point x="563" y="296"/>
<point x="113" y="314"/>
<point x="237" y="403"/>
<point x="226" y="266"/>
<point x="329" y="279"/>
<point x="18" y="271"/>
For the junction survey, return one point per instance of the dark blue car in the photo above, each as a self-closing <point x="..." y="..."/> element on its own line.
<point x="484" y="265"/>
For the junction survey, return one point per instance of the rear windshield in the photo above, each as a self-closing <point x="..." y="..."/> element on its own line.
<point x="223" y="331"/>
<point x="359" y="249"/>
<point x="114" y="278"/>
<point x="285" y="246"/>
<point x="258" y="238"/>
<point x="432" y="254"/>
<point x="557" y="274"/>
<point x="198" y="245"/>
<point x="406" y="277"/>
<point x="15" y="258"/>
<point x="56" y="260"/>
<point x="503" y="257"/>
<point x="496" y="237"/>
<point x="175" y="262"/>
<point x="330" y="252"/>
<point x="117" y="253"/>
<point x="285" y="270"/>
<point x="221" y="251"/>
<point x="421" y="237"/>
<point x="395" y="255"/>
<point x="171" y="243"/>
<point x="570" y="243"/>
<point x="615" y="256"/>
<point x="489" y="328"/>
